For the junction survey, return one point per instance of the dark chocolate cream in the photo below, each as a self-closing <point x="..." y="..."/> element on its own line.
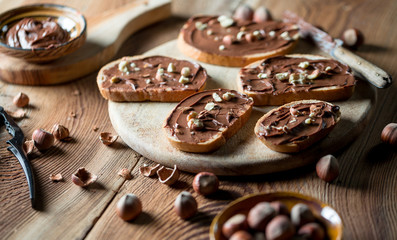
<point x="31" y="33"/>
<point x="283" y="74"/>
<point x="203" y="115"/>
<point x="297" y="123"/>
<point x="154" y="72"/>
<point x="222" y="35"/>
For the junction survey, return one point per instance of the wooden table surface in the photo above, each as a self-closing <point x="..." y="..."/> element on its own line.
<point x="364" y="194"/>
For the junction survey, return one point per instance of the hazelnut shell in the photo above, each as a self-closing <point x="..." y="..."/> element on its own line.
<point x="280" y="228"/>
<point x="168" y="176"/>
<point x="389" y="134"/>
<point x="43" y="140"/>
<point x="185" y="205"/>
<point x="149" y="171"/>
<point x="21" y="100"/>
<point x="83" y="178"/>
<point x="60" y="132"/>
<point x="327" y="168"/>
<point x="205" y="183"/>
<point x="129" y="207"/>
<point x="108" y="138"/>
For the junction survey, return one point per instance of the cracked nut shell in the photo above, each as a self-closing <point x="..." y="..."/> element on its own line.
<point x="149" y="171"/>
<point x="60" y="132"/>
<point x="21" y="100"/>
<point x="43" y="140"/>
<point x="327" y="168"/>
<point x="168" y="176"/>
<point x="83" y="177"/>
<point x="129" y="207"/>
<point x="205" y="183"/>
<point x="185" y="205"/>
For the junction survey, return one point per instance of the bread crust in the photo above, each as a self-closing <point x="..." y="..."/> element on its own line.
<point x="229" y="61"/>
<point x="333" y="93"/>
<point x="127" y="95"/>
<point x="211" y="144"/>
<point x="297" y="146"/>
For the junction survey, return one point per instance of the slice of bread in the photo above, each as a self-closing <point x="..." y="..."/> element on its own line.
<point x="140" y="78"/>
<point x="204" y="121"/>
<point x="336" y="83"/>
<point x="297" y="125"/>
<point x="208" y="39"/>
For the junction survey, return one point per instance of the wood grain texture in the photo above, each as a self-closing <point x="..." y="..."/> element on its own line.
<point x="364" y="194"/>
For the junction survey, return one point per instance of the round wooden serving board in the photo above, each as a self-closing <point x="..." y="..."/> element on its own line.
<point x="140" y="126"/>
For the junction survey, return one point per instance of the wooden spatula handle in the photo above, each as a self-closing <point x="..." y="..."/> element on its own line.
<point x="372" y="73"/>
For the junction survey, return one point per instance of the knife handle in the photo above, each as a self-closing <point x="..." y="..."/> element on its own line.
<point x="375" y="75"/>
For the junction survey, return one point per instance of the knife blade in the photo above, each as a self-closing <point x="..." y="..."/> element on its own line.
<point x="16" y="148"/>
<point x="373" y="74"/>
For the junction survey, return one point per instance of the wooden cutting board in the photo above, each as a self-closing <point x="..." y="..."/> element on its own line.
<point x="140" y="126"/>
<point x="106" y="33"/>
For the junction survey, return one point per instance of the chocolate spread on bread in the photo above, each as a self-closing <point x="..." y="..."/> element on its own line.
<point x="154" y="73"/>
<point x="201" y="116"/>
<point x="30" y="33"/>
<point x="297" y="123"/>
<point x="283" y="74"/>
<point x="229" y="37"/>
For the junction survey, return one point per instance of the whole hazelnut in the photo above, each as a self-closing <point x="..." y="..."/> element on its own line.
<point x="241" y="235"/>
<point x="352" y="38"/>
<point x="389" y="134"/>
<point x="301" y="214"/>
<point x="60" y="132"/>
<point x="249" y="37"/>
<point x="280" y="207"/>
<point x="185" y="205"/>
<point x="205" y="183"/>
<point x="21" y="100"/>
<point x="260" y="215"/>
<point x="312" y="231"/>
<point x="43" y="140"/>
<point x="280" y="228"/>
<point x="128" y="207"/>
<point x="327" y="168"/>
<point x="243" y="13"/>
<point x="262" y="14"/>
<point x="236" y="223"/>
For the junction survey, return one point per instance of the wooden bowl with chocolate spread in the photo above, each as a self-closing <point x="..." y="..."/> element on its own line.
<point x="41" y="32"/>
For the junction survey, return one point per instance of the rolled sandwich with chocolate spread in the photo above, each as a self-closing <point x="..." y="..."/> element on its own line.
<point x="297" y="125"/>
<point x="282" y="79"/>
<point x="204" y="121"/>
<point x="225" y="41"/>
<point x="154" y="78"/>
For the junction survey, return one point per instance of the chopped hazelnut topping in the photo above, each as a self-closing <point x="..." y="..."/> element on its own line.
<point x="221" y="47"/>
<point x="209" y="106"/>
<point x="328" y="69"/>
<point x="216" y="97"/>
<point x="191" y="115"/>
<point x="272" y="33"/>
<point x="314" y="74"/>
<point x="225" y="21"/>
<point x="171" y="68"/>
<point x="137" y="69"/>
<point x="228" y="95"/>
<point x="123" y="66"/>
<point x="148" y="81"/>
<point x="303" y="64"/>
<point x="285" y="36"/>
<point x="195" y="124"/>
<point x="115" y="79"/>
<point x="282" y="76"/>
<point x="200" y="26"/>
<point x="183" y="80"/>
<point x="308" y="121"/>
<point x="240" y="35"/>
<point x="262" y="75"/>
<point x="185" y="72"/>
<point x="209" y="32"/>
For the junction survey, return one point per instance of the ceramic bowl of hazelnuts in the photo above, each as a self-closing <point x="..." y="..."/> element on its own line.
<point x="277" y="215"/>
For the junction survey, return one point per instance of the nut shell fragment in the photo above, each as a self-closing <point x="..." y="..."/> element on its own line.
<point x="125" y="173"/>
<point x="21" y="100"/>
<point x="56" y="177"/>
<point x="83" y="178"/>
<point x="149" y="171"/>
<point x="28" y="146"/>
<point x="17" y="114"/>
<point x="168" y="175"/>
<point x="60" y="132"/>
<point x="108" y="138"/>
